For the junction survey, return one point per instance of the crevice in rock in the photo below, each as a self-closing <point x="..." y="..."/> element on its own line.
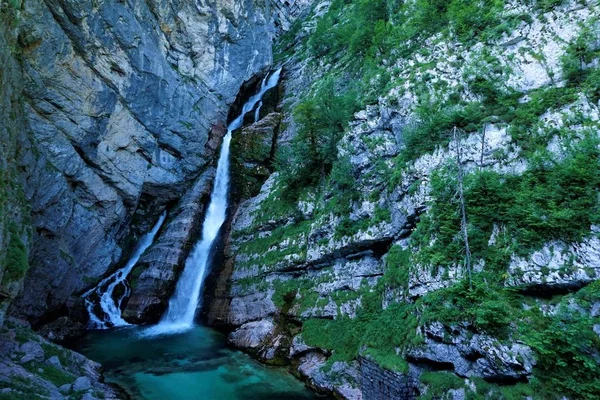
<point x="430" y="365"/>
<point x="548" y="291"/>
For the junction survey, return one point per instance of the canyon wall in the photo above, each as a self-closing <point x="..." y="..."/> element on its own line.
<point x="356" y="278"/>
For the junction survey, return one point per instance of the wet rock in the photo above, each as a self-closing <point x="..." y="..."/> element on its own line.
<point x="252" y="149"/>
<point x="298" y="346"/>
<point x="54" y="361"/>
<point x="125" y="112"/>
<point x="252" y="307"/>
<point x="89" y="396"/>
<point x="64" y="389"/>
<point x="13" y="374"/>
<point x="81" y="384"/>
<point x="342" y="378"/>
<point x="159" y="266"/>
<point x="33" y="352"/>
<point x="62" y="329"/>
<point x="252" y="334"/>
<point x="468" y="354"/>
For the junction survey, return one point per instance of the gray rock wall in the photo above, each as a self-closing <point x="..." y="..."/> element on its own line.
<point x="121" y="98"/>
<point x="15" y="230"/>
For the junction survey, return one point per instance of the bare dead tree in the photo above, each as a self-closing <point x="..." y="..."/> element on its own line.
<point x="463" y="223"/>
<point x="482" y="146"/>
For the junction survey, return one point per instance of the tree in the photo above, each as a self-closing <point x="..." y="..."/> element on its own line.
<point x="461" y="196"/>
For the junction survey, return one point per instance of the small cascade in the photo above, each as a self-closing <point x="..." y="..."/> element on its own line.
<point x="257" y="112"/>
<point x="182" y="306"/>
<point x="104" y="291"/>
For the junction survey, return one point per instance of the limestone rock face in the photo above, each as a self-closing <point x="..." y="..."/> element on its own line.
<point x="252" y="150"/>
<point x="155" y="275"/>
<point x="15" y="146"/>
<point x="318" y="258"/>
<point x="474" y="355"/>
<point x="28" y="367"/>
<point x="558" y="265"/>
<point x="124" y="102"/>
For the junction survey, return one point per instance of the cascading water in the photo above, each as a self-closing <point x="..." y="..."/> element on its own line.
<point x="257" y="112"/>
<point x="111" y="310"/>
<point x="182" y="306"/>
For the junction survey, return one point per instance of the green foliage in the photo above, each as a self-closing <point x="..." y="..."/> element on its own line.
<point x="15" y="262"/>
<point x="556" y="198"/>
<point x="567" y="351"/>
<point x="51" y="350"/>
<point x="524" y="117"/>
<point x="550" y="201"/>
<point x="487" y="307"/>
<point x="9" y="13"/>
<point x="438" y="383"/>
<point x="581" y="52"/>
<point x="489" y="391"/>
<point x="24" y="389"/>
<point x="321" y="120"/>
<point x="547" y="5"/>
<point x="434" y="128"/>
<point x="377" y="333"/>
<point x="348" y="227"/>
<point x="397" y="265"/>
<point x="50" y="373"/>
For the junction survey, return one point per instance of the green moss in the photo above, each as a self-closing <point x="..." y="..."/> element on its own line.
<point x="15" y="263"/>
<point x="438" y="383"/>
<point x="488" y="308"/>
<point x="50" y="373"/>
<point x="566" y="346"/>
<point x="397" y="265"/>
<point x="52" y="350"/>
<point x="379" y="333"/>
<point x="489" y="391"/>
<point x="550" y="201"/>
<point x="24" y="389"/>
<point x="269" y="249"/>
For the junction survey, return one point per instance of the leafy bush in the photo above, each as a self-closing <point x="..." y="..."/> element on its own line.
<point x="321" y="120"/>
<point x="374" y="332"/>
<point x="486" y="307"/>
<point x="567" y="351"/>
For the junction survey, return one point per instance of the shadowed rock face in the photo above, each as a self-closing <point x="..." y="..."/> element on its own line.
<point x="120" y="98"/>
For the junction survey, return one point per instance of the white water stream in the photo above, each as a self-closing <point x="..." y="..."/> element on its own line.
<point x="184" y="302"/>
<point x="111" y="310"/>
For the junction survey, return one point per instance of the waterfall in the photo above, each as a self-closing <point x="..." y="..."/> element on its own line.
<point x="112" y="311"/>
<point x="182" y="306"/>
<point x="257" y="112"/>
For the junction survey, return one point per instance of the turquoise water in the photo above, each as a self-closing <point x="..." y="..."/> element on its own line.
<point x="194" y="365"/>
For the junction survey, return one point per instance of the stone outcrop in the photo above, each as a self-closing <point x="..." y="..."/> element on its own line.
<point x="558" y="266"/>
<point x="468" y="355"/>
<point x="155" y="275"/>
<point x="285" y="266"/>
<point x="33" y="366"/>
<point x="126" y="105"/>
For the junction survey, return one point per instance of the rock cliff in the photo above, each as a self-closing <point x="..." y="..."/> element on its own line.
<point x="124" y="102"/>
<point x="357" y="279"/>
<point x="415" y="206"/>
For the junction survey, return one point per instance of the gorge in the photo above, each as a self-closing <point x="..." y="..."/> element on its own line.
<point x="242" y="199"/>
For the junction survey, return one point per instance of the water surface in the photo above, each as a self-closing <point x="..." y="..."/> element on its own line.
<point x="193" y="365"/>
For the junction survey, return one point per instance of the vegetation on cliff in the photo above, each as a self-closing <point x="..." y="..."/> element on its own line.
<point x="366" y="52"/>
